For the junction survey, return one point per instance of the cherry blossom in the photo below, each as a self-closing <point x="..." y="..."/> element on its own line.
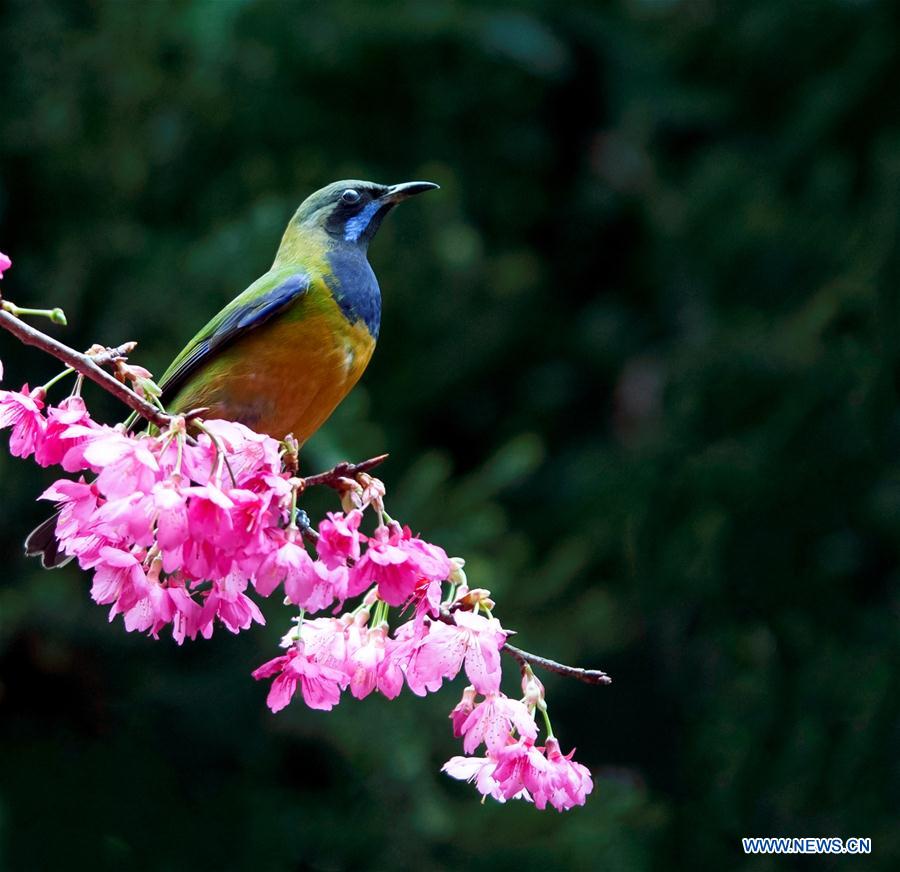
<point x="478" y="769"/>
<point x="181" y="529"/>
<point x="492" y="722"/>
<point x="21" y="411"/>
<point x="462" y="710"/>
<point x="473" y="641"/>
<point x="339" y="538"/>
<point x="395" y="560"/>
<point x="320" y="685"/>
<point x="570" y="782"/>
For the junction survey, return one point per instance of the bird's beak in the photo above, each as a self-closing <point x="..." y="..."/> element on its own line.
<point x="396" y="193"/>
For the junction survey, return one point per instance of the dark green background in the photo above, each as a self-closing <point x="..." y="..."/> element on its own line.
<point x="638" y="365"/>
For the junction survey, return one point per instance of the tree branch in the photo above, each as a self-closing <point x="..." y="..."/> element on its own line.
<point x="526" y="658"/>
<point x="85" y="365"/>
<point x="337" y="476"/>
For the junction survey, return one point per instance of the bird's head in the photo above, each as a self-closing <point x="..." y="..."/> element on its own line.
<point x="351" y="211"/>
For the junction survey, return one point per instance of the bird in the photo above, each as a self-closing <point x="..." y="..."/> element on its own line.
<point x="282" y="355"/>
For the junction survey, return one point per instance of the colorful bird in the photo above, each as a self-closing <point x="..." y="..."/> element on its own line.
<point x="282" y="355"/>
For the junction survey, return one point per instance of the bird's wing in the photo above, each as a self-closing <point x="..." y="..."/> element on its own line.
<point x="266" y="297"/>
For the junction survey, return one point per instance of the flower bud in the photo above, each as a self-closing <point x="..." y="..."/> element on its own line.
<point x="532" y="689"/>
<point x="371" y="598"/>
<point x="457" y="575"/>
<point x="477" y="596"/>
<point x="351" y="499"/>
<point x="373" y="491"/>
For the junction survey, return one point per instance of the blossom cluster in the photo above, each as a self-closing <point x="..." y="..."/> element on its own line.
<point x="515" y="768"/>
<point x="180" y="526"/>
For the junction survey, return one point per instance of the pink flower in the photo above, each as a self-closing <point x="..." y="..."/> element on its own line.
<point x="250" y="455"/>
<point x="328" y="641"/>
<point x="320" y="685"/>
<point x="390" y="670"/>
<point x="395" y="560"/>
<point x="477" y="769"/>
<point x="553" y="778"/>
<point x="227" y="601"/>
<point x="5" y="264"/>
<point x="61" y="435"/>
<point x="492" y="722"/>
<point x="21" y="410"/>
<point x="128" y="519"/>
<point x="484" y="637"/>
<point x="427" y="599"/>
<point x="322" y="588"/>
<point x="339" y="538"/>
<point x="308" y="583"/>
<point x="462" y="710"/>
<point x="213" y="534"/>
<point x="115" y="570"/>
<point x="522" y="766"/>
<point x="282" y="690"/>
<point x="365" y="661"/>
<point x="152" y="611"/>
<point x="120" y="579"/>
<point x="472" y="639"/>
<point x="187" y="615"/>
<point x="172" y="530"/>
<point x="570" y="782"/>
<point x="210" y="514"/>
<point x="77" y="501"/>
<point x="436" y="655"/>
<point x="124" y="464"/>
<point x="289" y="563"/>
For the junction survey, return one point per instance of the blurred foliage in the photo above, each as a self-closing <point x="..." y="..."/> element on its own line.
<point x="638" y="364"/>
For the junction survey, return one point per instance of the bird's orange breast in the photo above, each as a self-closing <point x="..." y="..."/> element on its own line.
<point x="288" y="375"/>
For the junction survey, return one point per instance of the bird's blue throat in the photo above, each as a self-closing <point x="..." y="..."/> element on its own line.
<point x="359" y="224"/>
<point x="354" y="285"/>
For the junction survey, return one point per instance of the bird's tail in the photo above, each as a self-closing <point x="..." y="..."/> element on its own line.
<point x="42" y="542"/>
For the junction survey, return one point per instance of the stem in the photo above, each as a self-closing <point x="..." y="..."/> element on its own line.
<point x="292" y="525"/>
<point x="57" y="316"/>
<point x="588" y="676"/>
<point x="82" y="363"/>
<point x="332" y="478"/>
<point x="67" y="371"/>
<point x="180" y="455"/>
<point x="547" y="722"/>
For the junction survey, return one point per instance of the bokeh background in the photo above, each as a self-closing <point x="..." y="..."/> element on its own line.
<point x="639" y="365"/>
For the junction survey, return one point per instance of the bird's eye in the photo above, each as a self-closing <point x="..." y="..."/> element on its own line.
<point x="351" y="197"/>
